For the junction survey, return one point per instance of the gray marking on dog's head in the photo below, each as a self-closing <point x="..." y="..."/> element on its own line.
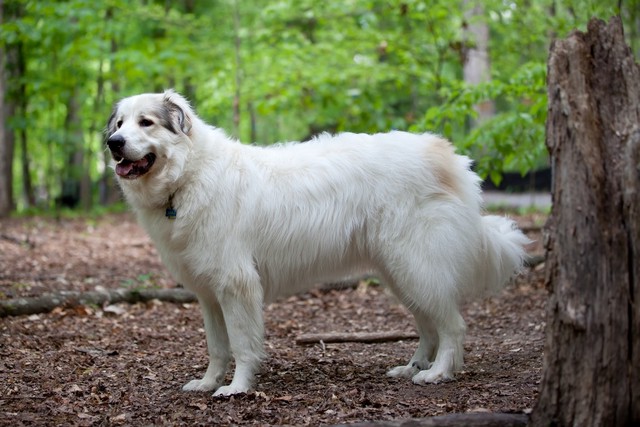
<point x="110" y="129"/>
<point x="172" y="115"/>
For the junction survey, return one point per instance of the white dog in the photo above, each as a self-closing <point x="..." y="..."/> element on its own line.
<point x="240" y="225"/>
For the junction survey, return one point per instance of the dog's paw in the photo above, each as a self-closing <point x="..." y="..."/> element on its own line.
<point x="431" y="376"/>
<point x="228" y="390"/>
<point x="404" y="371"/>
<point x="199" y="385"/>
<point x="421" y="365"/>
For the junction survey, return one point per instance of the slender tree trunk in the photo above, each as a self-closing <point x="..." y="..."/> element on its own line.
<point x="74" y="178"/>
<point x="7" y="110"/>
<point x="27" y="185"/>
<point x="21" y="104"/>
<point x="253" y="120"/>
<point x="109" y="192"/>
<point x="188" y="88"/>
<point x="592" y="356"/>
<point x="238" y="57"/>
<point x="477" y="65"/>
<point x="6" y="143"/>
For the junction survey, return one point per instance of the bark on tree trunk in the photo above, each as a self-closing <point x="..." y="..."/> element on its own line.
<point x="592" y="357"/>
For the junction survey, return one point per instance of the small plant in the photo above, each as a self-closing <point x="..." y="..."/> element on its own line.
<point x="142" y="281"/>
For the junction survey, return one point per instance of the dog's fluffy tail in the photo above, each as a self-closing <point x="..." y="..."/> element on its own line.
<point x="502" y="254"/>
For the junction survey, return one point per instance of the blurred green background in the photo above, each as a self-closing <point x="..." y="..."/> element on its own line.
<point x="269" y="71"/>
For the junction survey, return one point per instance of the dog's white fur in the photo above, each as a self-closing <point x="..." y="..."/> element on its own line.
<point x="257" y="223"/>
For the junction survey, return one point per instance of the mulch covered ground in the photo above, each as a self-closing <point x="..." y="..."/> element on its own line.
<point x="125" y="364"/>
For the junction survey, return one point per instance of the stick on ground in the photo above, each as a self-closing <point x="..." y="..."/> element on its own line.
<point x="364" y="337"/>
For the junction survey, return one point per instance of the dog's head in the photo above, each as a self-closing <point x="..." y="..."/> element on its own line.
<point x="148" y="134"/>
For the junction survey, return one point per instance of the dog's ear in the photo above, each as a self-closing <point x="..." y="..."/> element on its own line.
<point x="110" y="129"/>
<point x="178" y="111"/>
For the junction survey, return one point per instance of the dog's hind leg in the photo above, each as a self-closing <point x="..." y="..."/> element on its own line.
<point x="217" y="345"/>
<point x="449" y="357"/>
<point x="242" y="308"/>
<point x="424" y="354"/>
<point x="430" y="294"/>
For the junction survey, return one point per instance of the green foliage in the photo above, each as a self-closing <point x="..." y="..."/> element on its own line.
<point x="513" y="138"/>
<point x="291" y="67"/>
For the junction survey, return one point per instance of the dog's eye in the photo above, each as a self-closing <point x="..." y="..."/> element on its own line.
<point x="119" y="124"/>
<point x="145" y="123"/>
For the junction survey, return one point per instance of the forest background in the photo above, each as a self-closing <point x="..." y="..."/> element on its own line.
<point x="279" y="70"/>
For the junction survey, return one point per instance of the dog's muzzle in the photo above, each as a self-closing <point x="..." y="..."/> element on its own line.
<point x="128" y="168"/>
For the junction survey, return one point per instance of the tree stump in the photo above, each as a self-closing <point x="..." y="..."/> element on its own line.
<point x="592" y="356"/>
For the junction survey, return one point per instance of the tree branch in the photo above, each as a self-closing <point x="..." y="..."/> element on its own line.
<point x="47" y="302"/>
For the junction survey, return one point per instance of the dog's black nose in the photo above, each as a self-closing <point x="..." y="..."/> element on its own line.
<point x="116" y="143"/>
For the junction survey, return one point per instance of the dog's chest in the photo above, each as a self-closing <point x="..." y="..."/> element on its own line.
<point x="170" y="239"/>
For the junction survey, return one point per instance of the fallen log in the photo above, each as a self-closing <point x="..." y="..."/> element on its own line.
<point x="453" y="420"/>
<point x="363" y="337"/>
<point x="47" y="302"/>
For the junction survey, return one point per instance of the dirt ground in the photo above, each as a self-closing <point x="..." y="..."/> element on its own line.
<point x="125" y="364"/>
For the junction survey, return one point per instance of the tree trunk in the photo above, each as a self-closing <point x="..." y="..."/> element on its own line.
<point x="237" y="44"/>
<point x="76" y="182"/>
<point x="70" y="183"/>
<point x="477" y="65"/>
<point x="7" y="110"/>
<point x="6" y="142"/>
<point x="109" y="192"/>
<point x="592" y="355"/>
<point x="188" y="87"/>
<point x="21" y="106"/>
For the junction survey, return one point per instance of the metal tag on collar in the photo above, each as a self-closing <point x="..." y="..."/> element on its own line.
<point x="171" y="213"/>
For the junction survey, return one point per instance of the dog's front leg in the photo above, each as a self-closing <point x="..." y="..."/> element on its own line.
<point x="242" y="308"/>
<point x="217" y="345"/>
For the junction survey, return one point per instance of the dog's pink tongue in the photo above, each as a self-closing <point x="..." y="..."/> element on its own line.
<point x="128" y="168"/>
<point x="124" y="168"/>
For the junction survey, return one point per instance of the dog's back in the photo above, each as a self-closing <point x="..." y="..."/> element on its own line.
<point x="337" y="205"/>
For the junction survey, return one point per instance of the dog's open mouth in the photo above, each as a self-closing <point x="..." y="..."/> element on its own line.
<point x="131" y="169"/>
